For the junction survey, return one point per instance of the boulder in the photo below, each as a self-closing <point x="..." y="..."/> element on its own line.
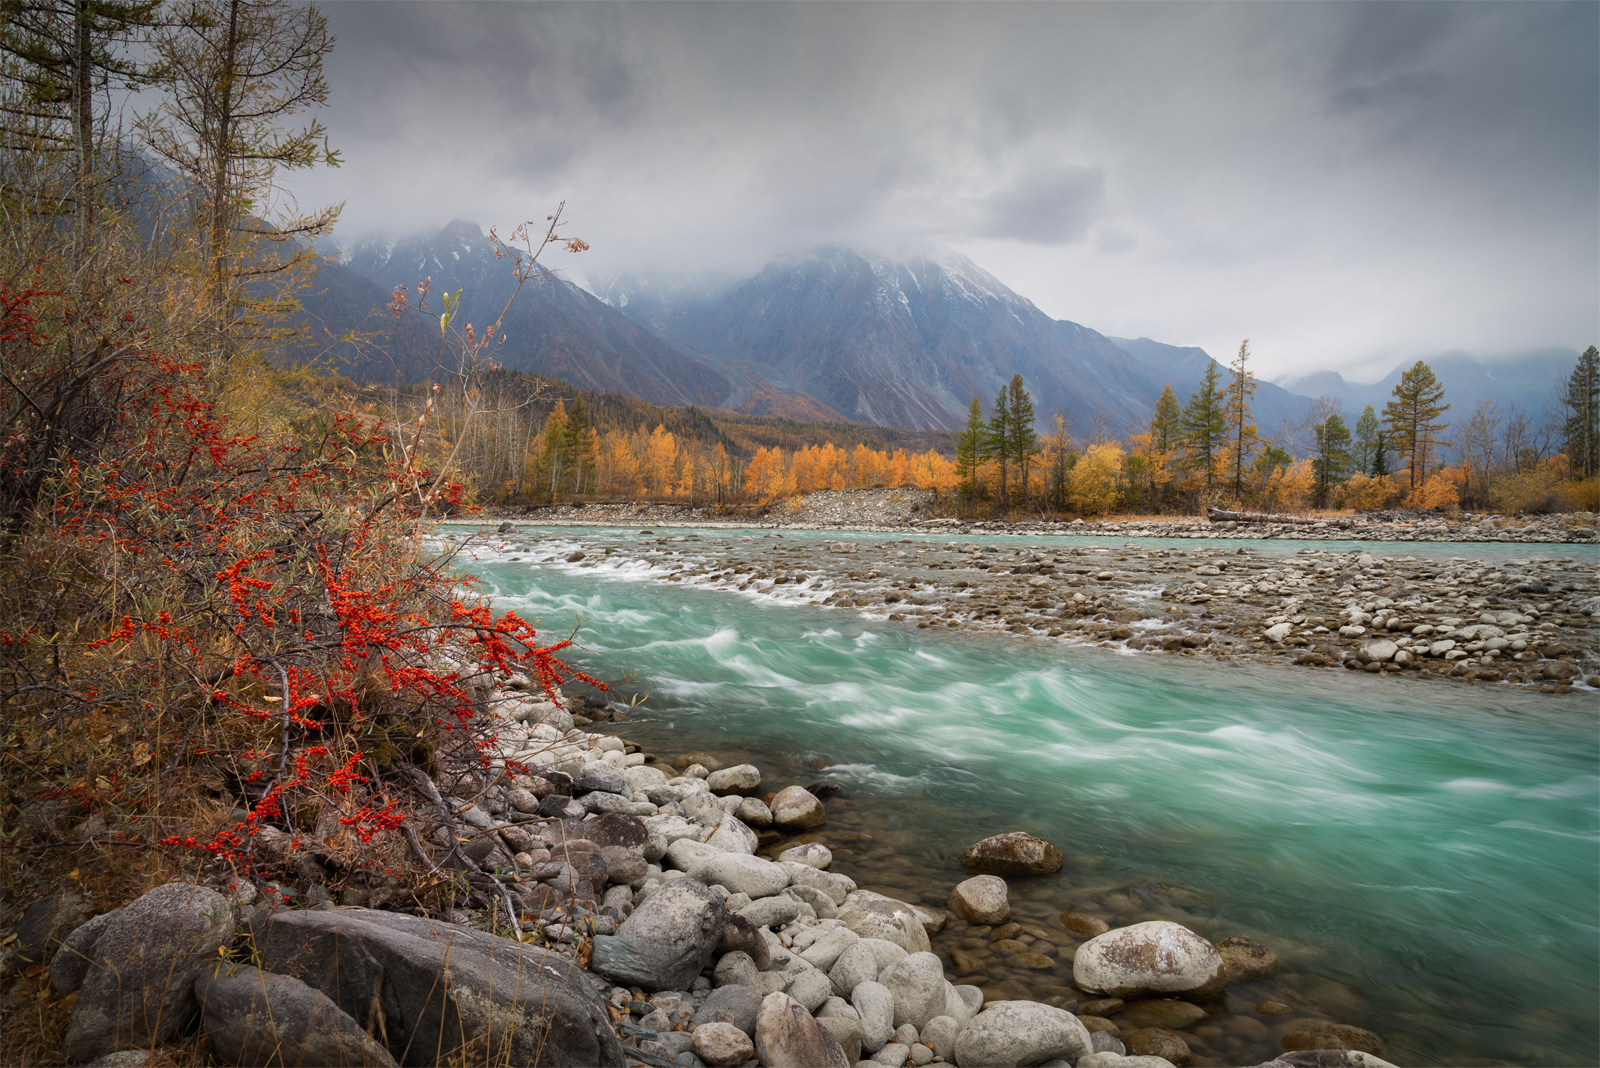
<point x="1013" y="853"/>
<point x="981" y="899"/>
<point x="874" y="1004"/>
<point x="836" y="886"/>
<point x="685" y="853"/>
<point x="753" y="812"/>
<point x="873" y="915"/>
<point x="252" y="1017"/>
<point x="741" y="874"/>
<point x="812" y="854"/>
<point x="736" y="1005"/>
<point x="740" y="935"/>
<point x="773" y="912"/>
<point x="1156" y="1042"/>
<point x="732" y="836"/>
<point x="739" y="779"/>
<point x="1376" y="651"/>
<point x="722" y="1045"/>
<point x="737" y="969"/>
<point x="939" y="1034"/>
<point x="667" y="940"/>
<point x="45" y="925"/>
<point x="695" y="756"/>
<point x="826" y="950"/>
<point x="1169" y="1014"/>
<point x="623" y="866"/>
<point x="1014" y="1033"/>
<point x="137" y="968"/>
<point x="788" y="1037"/>
<point x="820" y="903"/>
<point x="797" y="809"/>
<point x="1156" y="957"/>
<point x="439" y="993"/>
<point x="962" y="1003"/>
<point x="810" y="988"/>
<point x="884" y="951"/>
<point x="847" y="1032"/>
<point x="917" y="983"/>
<point x="617" y="829"/>
<point x="1246" y="960"/>
<point x="855" y="965"/>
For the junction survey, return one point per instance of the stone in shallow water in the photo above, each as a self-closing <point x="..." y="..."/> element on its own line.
<point x="1246" y="960"/>
<point x="1014" y="853"/>
<point x="1155" y="957"/>
<point x="981" y="899"/>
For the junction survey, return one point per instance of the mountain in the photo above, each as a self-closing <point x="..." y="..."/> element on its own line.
<point x="1183" y="367"/>
<point x="903" y="344"/>
<point x="553" y="327"/>
<point x="1526" y="381"/>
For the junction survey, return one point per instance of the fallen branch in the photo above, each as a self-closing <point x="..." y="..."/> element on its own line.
<point x="425" y="784"/>
<point x="1217" y="515"/>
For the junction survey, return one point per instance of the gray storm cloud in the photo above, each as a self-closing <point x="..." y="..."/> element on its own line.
<point x="1346" y="184"/>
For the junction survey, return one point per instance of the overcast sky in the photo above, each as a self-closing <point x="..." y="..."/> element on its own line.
<point x="1346" y="184"/>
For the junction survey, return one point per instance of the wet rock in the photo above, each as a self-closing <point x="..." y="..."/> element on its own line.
<point x="873" y="915"/>
<point x="739" y="779"/>
<point x="256" y="1017"/>
<point x="142" y="961"/>
<point x="741" y="874"/>
<point x="1084" y="925"/>
<point x="1013" y="853"/>
<point x="1154" y="1042"/>
<point x="981" y="899"/>
<point x="753" y="813"/>
<point x="1021" y="1032"/>
<point x="667" y="940"/>
<point x="787" y="1036"/>
<point x="1376" y="651"/>
<point x="1102" y="1007"/>
<point x="917" y="984"/>
<point x="1095" y="1024"/>
<point x="797" y="809"/>
<point x="705" y="760"/>
<point x="1246" y="960"/>
<point x="1166" y="1013"/>
<point x="722" y="1045"/>
<point x="1320" y="1034"/>
<point x="1155" y="957"/>
<point x="812" y="854"/>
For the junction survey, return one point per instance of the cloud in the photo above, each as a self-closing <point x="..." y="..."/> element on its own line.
<point x="1046" y="208"/>
<point x="1336" y="181"/>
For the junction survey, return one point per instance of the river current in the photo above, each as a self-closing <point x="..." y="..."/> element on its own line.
<point x="1424" y="856"/>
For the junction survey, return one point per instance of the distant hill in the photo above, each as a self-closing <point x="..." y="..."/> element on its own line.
<point x="1182" y="368"/>
<point x="1527" y="381"/>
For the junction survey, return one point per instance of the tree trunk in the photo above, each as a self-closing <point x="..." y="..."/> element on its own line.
<point x="1217" y="515"/>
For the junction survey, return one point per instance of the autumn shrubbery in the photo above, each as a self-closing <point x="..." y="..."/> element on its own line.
<point x="219" y="647"/>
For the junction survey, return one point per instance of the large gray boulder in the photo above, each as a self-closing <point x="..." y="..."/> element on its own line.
<point x="135" y="969"/>
<point x="667" y="940"/>
<point x="981" y="899"/>
<point x="873" y="915"/>
<point x="836" y="886"/>
<point x="917" y="983"/>
<point x="736" y="1005"/>
<point x="874" y="1004"/>
<point x="252" y="1018"/>
<point x="440" y="993"/>
<point x="1013" y="1033"/>
<point x="1013" y="853"/>
<point x="1156" y="957"/>
<point x="741" y="874"/>
<point x="788" y="1037"/>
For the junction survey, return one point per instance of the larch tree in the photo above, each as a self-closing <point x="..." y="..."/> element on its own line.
<point x="1024" y="438"/>
<point x="997" y="444"/>
<point x="1580" y="397"/>
<point x="1411" y="414"/>
<point x="1243" y="441"/>
<point x="1205" y="423"/>
<point x="241" y="69"/>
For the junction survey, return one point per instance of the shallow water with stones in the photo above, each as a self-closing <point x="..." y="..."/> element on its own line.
<point x="1423" y="856"/>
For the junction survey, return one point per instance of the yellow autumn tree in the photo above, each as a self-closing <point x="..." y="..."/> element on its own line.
<point x="899" y="468"/>
<point x="661" y="458"/>
<point x="930" y="471"/>
<point x="1092" y="485"/>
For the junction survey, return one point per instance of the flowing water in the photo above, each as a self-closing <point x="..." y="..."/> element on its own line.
<point x="1424" y="856"/>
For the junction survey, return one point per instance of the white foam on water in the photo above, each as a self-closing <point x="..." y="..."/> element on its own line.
<point x="1577" y="786"/>
<point x="1478" y="786"/>
<point x="1524" y="825"/>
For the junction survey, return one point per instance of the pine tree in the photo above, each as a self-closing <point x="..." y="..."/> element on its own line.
<point x="970" y="449"/>
<point x="998" y="443"/>
<point x="1368" y="433"/>
<point x="1166" y="425"/>
<point x="1205" y="423"/>
<point x="1581" y="429"/>
<point x="1241" y="428"/>
<point x="1024" y="438"/>
<point x="1380" y="455"/>
<point x="578" y="444"/>
<point x="1333" y="461"/>
<point x="1410" y="417"/>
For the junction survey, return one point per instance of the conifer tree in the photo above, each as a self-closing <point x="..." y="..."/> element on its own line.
<point x="1333" y="460"/>
<point x="553" y="448"/>
<point x="1243" y="439"/>
<point x="1369" y="432"/>
<point x="1411" y="415"/>
<point x="998" y="443"/>
<point x="970" y="449"/>
<point x="1024" y="438"/>
<point x="579" y="450"/>
<point x="1205" y="423"/>
<point x="1581" y="428"/>
<point x="1166" y="425"/>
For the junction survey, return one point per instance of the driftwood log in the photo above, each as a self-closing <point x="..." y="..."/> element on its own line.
<point x="1217" y="515"/>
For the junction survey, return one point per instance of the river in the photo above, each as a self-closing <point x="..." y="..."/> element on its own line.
<point x="1425" y="856"/>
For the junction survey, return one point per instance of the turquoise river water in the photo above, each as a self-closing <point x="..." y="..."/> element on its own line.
<point x="1426" y="855"/>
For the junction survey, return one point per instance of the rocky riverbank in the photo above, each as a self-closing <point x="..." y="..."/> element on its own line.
<point x="919" y="510"/>
<point x="1528" y="621"/>
<point x="680" y="913"/>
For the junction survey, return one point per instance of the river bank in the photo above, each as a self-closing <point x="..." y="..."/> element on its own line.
<point x="885" y="511"/>
<point x="1523" y="621"/>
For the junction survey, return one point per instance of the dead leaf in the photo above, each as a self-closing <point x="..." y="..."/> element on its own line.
<point x="33" y="971"/>
<point x="141" y="754"/>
